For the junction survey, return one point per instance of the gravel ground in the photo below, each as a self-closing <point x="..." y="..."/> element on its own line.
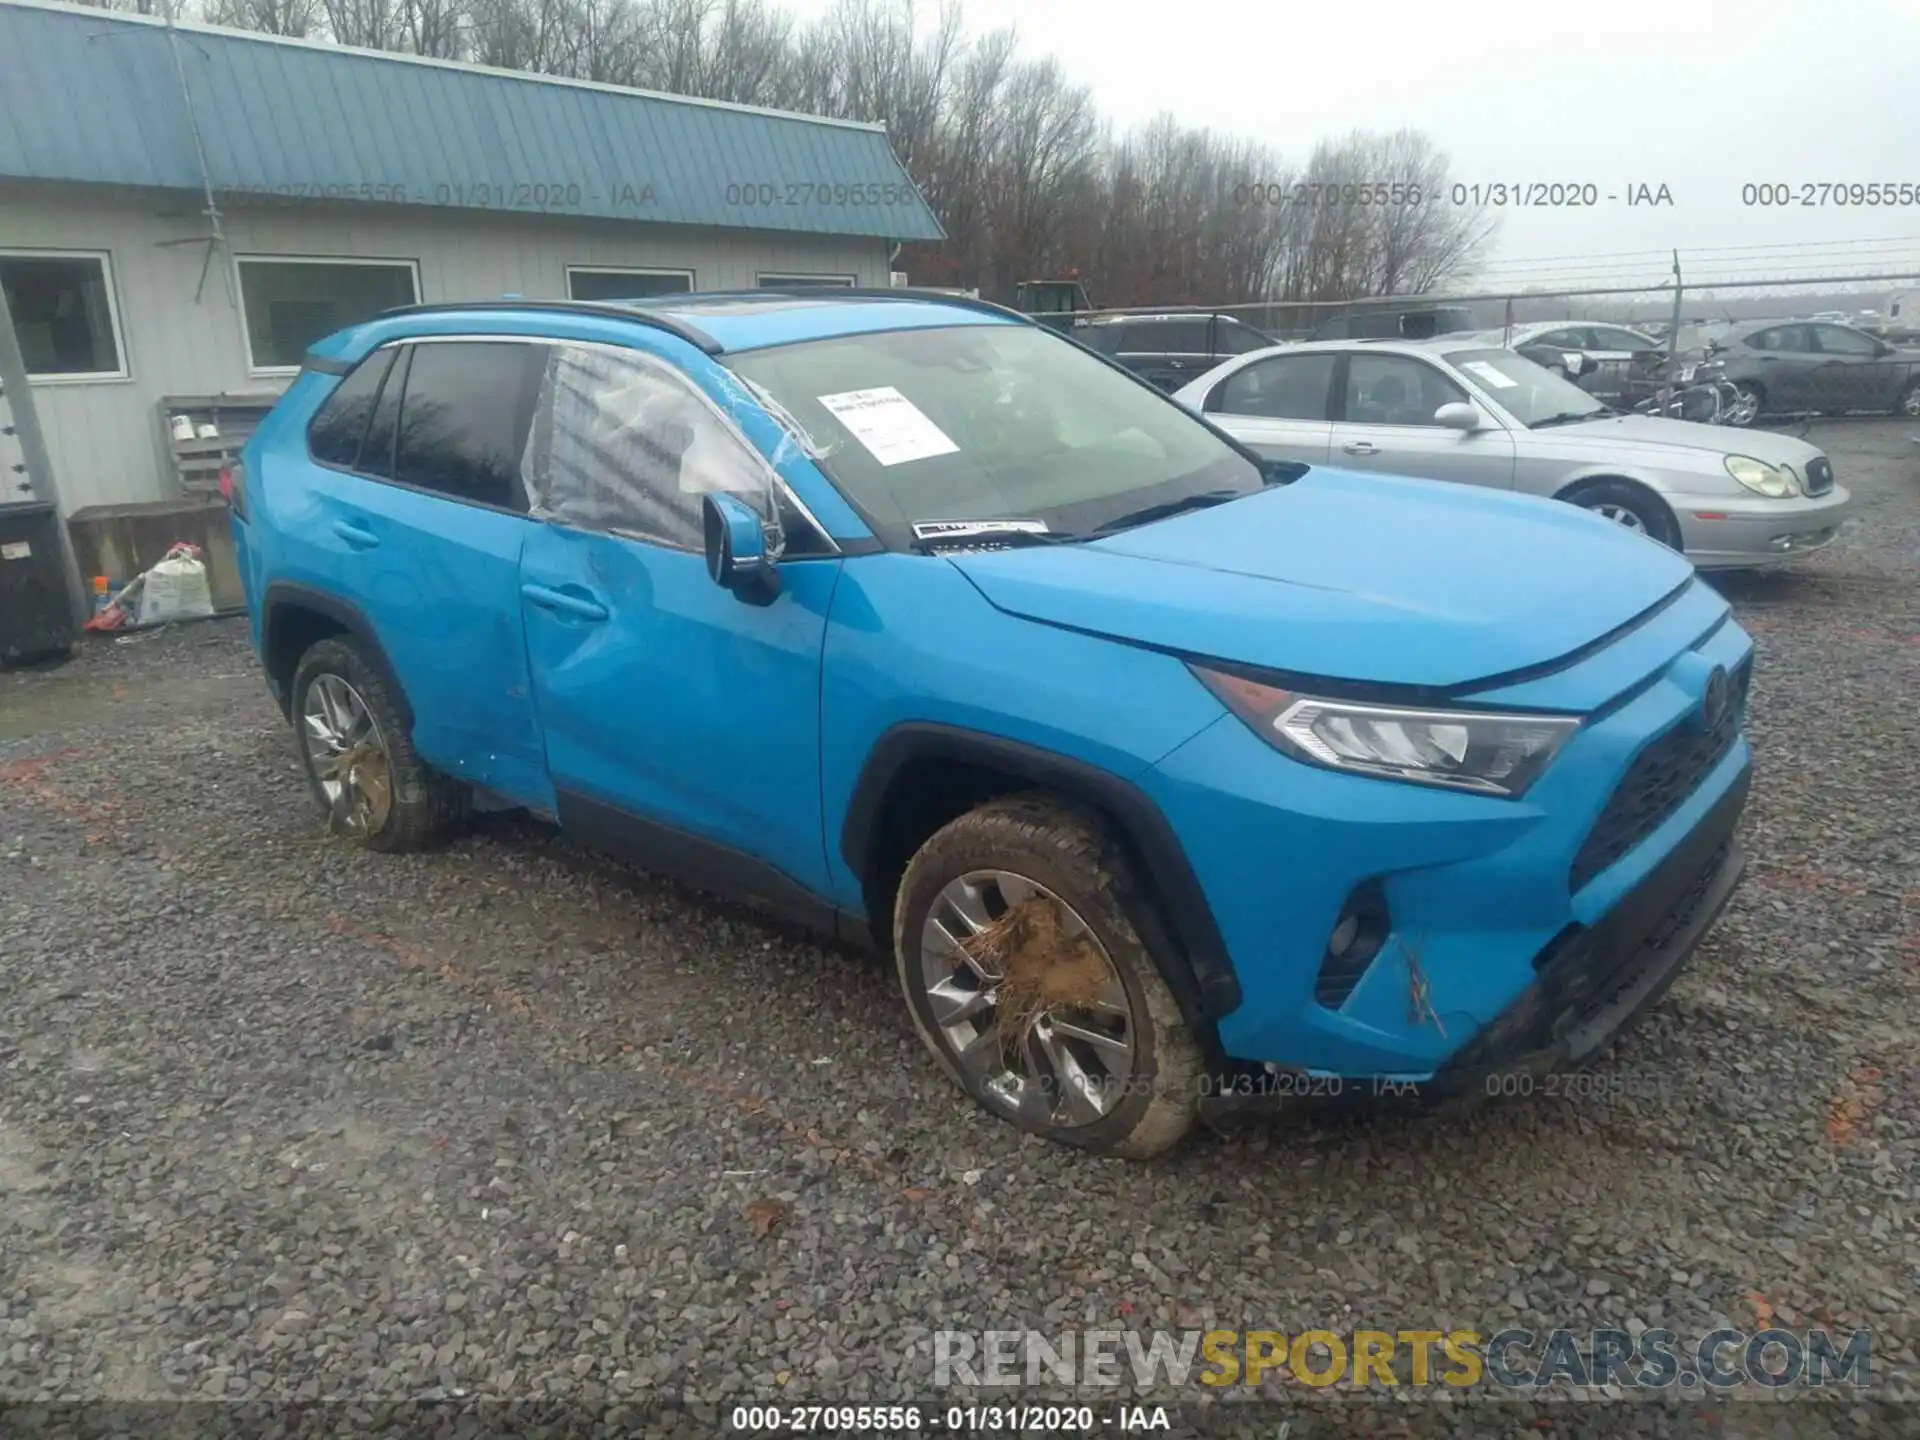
<point x="285" y="1120"/>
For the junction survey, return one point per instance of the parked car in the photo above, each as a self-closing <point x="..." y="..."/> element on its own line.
<point x="1396" y="322"/>
<point x="1171" y="349"/>
<point x="1612" y="356"/>
<point x="1458" y="409"/>
<point x="1164" y="773"/>
<point x="1792" y="366"/>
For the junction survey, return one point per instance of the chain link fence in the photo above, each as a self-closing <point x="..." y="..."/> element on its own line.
<point x="1776" y="349"/>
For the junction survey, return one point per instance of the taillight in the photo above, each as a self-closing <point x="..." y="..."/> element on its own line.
<point x="233" y="487"/>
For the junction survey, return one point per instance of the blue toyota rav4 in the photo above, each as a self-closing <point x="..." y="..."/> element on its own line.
<point x="1163" y="773"/>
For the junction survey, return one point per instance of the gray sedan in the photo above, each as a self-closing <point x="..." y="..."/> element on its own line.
<point x="1454" y="408"/>
<point x="1793" y="366"/>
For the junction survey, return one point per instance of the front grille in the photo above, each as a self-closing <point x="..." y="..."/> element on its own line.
<point x="1819" y="476"/>
<point x="1600" y="993"/>
<point x="1656" y="784"/>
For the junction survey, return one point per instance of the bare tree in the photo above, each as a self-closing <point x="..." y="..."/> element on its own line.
<point x="1014" y="158"/>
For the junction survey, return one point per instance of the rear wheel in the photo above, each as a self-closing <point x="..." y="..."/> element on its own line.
<point x="1910" y="400"/>
<point x="359" y="759"/>
<point x="1032" y="988"/>
<point x="1629" y="507"/>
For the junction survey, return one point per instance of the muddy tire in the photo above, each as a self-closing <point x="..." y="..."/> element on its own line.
<point x="387" y="799"/>
<point x="1147" y="1099"/>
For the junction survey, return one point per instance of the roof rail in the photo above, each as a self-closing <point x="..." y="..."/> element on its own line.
<point x="603" y="309"/>
<point x="854" y="292"/>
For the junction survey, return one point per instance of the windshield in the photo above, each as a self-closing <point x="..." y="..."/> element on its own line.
<point x="990" y="422"/>
<point x="1530" y="393"/>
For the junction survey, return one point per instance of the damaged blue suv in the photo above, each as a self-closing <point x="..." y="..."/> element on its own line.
<point x="1164" y="773"/>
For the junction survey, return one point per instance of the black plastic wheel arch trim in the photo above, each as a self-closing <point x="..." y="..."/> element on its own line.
<point x="284" y="596"/>
<point x="1207" y="988"/>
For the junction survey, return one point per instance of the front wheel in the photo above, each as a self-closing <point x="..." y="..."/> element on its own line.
<point x="1032" y="988"/>
<point x="1910" y="401"/>
<point x="1629" y="507"/>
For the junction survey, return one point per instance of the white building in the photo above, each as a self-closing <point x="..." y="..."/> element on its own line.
<point x="346" y="182"/>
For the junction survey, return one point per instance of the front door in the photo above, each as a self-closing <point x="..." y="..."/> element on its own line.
<point x="1851" y="374"/>
<point x="682" y="723"/>
<point x="1384" y="410"/>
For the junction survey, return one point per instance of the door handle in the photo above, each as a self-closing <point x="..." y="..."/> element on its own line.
<point x="1361" y="447"/>
<point x="355" y="534"/>
<point x="579" y="607"/>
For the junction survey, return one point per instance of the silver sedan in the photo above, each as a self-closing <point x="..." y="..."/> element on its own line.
<point x="1455" y="408"/>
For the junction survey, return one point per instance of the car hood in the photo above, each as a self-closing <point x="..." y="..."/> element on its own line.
<point x="1349" y="576"/>
<point x="1648" y="436"/>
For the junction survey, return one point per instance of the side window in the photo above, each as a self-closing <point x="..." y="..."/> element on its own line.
<point x="1176" y="337"/>
<point x="1605" y="338"/>
<point x="1561" y="340"/>
<point x="1233" y="338"/>
<point x="463" y="419"/>
<point x="1395" y="390"/>
<point x="1837" y="340"/>
<point x="1288" y="387"/>
<point x="383" y="431"/>
<point x="623" y="441"/>
<point x="333" y="438"/>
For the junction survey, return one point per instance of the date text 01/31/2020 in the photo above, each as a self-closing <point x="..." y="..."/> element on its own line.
<point x="1542" y="194"/>
<point x="537" y="195"/>
<point x="961" y="1419"/>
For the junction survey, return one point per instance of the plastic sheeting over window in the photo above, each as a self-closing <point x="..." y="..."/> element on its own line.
<point x="622" y="441"/>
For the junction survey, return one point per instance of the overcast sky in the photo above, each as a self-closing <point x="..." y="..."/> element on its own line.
<point x="1701" y="95"/>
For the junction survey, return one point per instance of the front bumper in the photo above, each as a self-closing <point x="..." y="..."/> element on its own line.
<point x="1594" y="983"/>
<point x="1474" y="889"/>
<point x="1717" y="533"/>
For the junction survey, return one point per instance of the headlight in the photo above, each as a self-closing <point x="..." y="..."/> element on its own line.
<point x="1761" y="478"/>
<point x="1485" y="751"/>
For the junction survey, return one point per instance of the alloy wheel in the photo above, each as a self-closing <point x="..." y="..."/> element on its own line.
<point x="1620" y="515"/>
<point x="348" y="756"/>
<point x="1744" y="410"/>
<point x="1910" y="402"/>
<point x="1059" y="1064"/>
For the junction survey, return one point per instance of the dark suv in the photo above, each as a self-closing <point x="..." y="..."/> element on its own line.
<point x="1171" y="349"/>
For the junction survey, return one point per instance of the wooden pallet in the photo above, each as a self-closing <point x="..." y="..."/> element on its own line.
<point x="197" y="463"/>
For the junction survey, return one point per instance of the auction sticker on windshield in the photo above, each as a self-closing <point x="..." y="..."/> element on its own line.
<point x="1492" y="376"/>
<point x="892" y="427"/>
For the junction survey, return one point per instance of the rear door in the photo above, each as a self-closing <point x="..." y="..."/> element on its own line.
<point x="1383" y="420"/>
<point x="1783" y="359"/>
<point x="421" y="529"/>
<point x="1279" y="405"/>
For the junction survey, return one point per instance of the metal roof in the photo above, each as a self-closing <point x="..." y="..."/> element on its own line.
<point x="94" y="97"/>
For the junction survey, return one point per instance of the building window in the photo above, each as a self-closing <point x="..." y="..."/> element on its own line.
<point x="64" y="315"/>
<point x="600" y="282"/>
<point x="289" y="304"/>
<point x="777" y="281"/>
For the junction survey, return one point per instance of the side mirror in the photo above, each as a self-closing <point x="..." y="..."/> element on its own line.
<point x="737" y="555"/>
<point x="1460" y="415"/>
<point x="1574" y="361"/>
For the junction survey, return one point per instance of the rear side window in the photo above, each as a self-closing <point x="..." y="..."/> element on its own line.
<point x="463" y="419"/>
<point x="1168" y="337"/>
<point x="1290" y="387"/>
<point x="334" y="436"/>
<point x="376" y="451"/>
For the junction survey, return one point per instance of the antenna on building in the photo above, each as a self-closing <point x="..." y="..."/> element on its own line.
<point x="215" y="239"/>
